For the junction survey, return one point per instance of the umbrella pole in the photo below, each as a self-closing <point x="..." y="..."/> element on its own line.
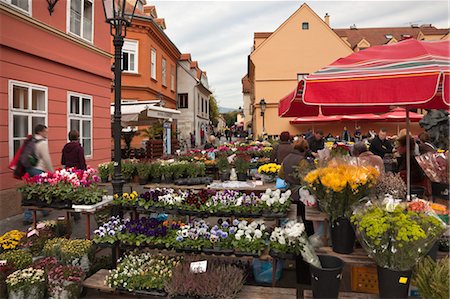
<point x="408" y="157"/>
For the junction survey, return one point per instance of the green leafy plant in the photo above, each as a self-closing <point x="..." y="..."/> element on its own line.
<point x="155" y="170"/>
<point x="242" y="163"/>
<point x="432" y="278"/>
<point x="104" y="169"/>
<point x="223" y="164"/>
<point x="128" y="170"/>
<point x="143" y="170"/>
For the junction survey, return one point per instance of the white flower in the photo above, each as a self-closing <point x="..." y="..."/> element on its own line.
<point x="258" y="234"/>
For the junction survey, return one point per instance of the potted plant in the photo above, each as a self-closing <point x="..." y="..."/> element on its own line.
<point x="28" y="283"/>
<point x="241" y="164"/>
<point x="167" y="173"/>
<point x="155" y="172"/>
<point x="77" y="253"/>
<point x="269" y="172"/>
<point x="432" y="279"/>
<point x="338" y="188"/>
<point x="396" y="235"/>
<point x="143" y="172"/>
<point x="224" y="167"/>
<point x="65" y="282"/>
<point x="128" y="170"/>
<point x="249" y="238"/>
<point x="104" y="171"/>
<point x="10" y="240"/>
<point x="18" y="259"/>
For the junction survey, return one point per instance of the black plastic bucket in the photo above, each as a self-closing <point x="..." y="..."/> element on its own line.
<point x="325" y="281"/>
<point x="392" y="283"/>
<point x="342" y="236"/>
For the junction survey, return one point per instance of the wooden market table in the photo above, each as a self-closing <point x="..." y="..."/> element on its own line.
<point x="97" y="282"/>
<point x="87" y="212"/>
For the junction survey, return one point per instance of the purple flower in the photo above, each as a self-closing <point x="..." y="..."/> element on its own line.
<point x="225" y="224"/>
<point x="235" y="222"/>
<point x="224" y="235"/>
<point x="232" y="230"/>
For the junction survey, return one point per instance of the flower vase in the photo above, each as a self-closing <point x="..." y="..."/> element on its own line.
<point x="35" y="291"/>
<point x="342" y="236"/>
<point x="392" y="283"/>
<point x="65" y="290"/>
<point x="267" y="178"/>
<point x="325" y="281"/>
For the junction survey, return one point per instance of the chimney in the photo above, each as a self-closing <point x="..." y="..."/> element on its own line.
<point x="327" y="19"/>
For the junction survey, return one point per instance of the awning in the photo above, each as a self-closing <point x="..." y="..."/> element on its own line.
<point x="315" y="119"/>
<point x="399" y="115"/>
<point x="144" y="113"/>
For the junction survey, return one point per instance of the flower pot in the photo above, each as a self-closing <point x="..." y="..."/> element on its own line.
<point x="225" y="176"/>
<point x="392" y="283"/>
<point x="143" y="181"/>
<point x="27" y="292"/>
<point x="325" y="281"/>
<point x="242" y="177"/>
<point x="65" y="290"/>
<point x="342" y="236"/>
<point x="156" y="180"/>
<point x="267" y="178"/>
<point x="104" y="180"/>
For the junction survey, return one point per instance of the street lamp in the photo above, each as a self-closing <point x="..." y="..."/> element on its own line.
<point x="262" y="106"/>
<point x="117" y="14"/>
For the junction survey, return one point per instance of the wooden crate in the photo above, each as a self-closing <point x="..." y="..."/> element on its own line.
<point x="364" y="279"/>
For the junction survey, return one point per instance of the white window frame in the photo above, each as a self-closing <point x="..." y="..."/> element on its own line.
<point x="164" y="72"/>
<point x="153" y="63"/>
<point x="28" y="112"/>
<point x="81" y="118"/>
<point x="131" y="46"/>
<point x="82" y="24"/>
<point x="172" y="78"/>
<point x="28" y="12"/>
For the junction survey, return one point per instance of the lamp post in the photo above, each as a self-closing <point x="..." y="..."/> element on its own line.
<point x="262" y="106"/>
<point x="117" y="14"/>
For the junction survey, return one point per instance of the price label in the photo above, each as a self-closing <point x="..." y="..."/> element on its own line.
<point x="258" y="183"/>
<point x="32" y="233"/>
<point x="40" y="225"/>
<point x="61" y="218"/>
<point x="199" y="267"/>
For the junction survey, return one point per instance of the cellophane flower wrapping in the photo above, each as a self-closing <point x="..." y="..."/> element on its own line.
<point x="397" y="234"/>
<point x="341" y="185"/>
<point x="435" y="166"/>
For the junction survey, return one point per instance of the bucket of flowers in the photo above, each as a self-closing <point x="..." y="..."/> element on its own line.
<point x="77" y="253"/>
<point x="396" y="235"/>
<point x="10" y="240"/>
<point x="65" y="282"/>
<point x="104" y="169"/>
<point x="269" y="172"/>
<point x="249" y="238"/>
<point x="339" y="188"/>
<point x="28" y="283"/>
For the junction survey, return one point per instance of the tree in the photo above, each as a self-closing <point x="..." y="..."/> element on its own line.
<point x="213" y="111"/>
<point x="230" y="118"/>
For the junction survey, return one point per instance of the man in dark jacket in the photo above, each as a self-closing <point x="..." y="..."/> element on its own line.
<point x="282" y="149"/>
<point x="316" y="142"/>
<point x="73" y="152"/>
<point x="380" y="145"/>
<point x="425" y="145"/>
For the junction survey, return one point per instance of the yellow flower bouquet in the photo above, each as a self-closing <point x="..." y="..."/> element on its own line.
<point x="11" y="240"/>
<point x="269" y="172"/>
<point x="338" y="187"/>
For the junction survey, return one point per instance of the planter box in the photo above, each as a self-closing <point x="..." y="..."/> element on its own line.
<point x="92" y="208"/>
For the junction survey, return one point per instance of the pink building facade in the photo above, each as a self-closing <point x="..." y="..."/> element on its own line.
<point x="55" y="69"/>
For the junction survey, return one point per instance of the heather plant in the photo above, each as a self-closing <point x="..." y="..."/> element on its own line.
<point x="219" y="281"/>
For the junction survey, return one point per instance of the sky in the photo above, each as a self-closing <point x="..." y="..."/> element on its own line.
<point x="219" y="34"/>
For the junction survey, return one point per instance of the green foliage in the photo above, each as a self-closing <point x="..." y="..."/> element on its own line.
<point x="155" y="170"/>
<point x="104" y="169"/>
<point x="143" y="170"/>
<point x="154" y="131"/>
<point x="213" y="111"/>
<point x="222" y="164"/>
<point x="230" y="118"/>
<point x="432" y="278"/>
<point x="128" y="170"/>
<point x="242" y="163"/>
